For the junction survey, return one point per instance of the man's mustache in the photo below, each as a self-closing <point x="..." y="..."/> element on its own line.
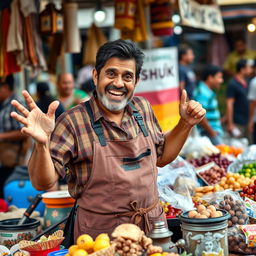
<point x="120" y="89"/>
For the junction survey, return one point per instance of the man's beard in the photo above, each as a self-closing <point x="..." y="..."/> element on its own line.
<point x="112" y="105"/>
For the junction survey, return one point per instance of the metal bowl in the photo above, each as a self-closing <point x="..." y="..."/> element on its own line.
<point x="238" y="164"/>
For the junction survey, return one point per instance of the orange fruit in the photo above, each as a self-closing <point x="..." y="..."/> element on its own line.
<point x="165" y="253"/>
<point x="156" y="254"/>
<point x="100" y="244"/>
<point x="103" y="236"/>
<point x="85" y="242"/>
<point x="80" y="252"/>
<point x="72" y="248"/>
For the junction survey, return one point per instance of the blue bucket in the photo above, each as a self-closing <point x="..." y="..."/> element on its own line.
<point x="58" y="253"/>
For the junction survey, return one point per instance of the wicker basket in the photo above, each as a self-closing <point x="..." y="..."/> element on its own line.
<point x="110" y="251"/>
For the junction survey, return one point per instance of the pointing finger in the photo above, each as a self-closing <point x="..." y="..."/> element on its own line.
<point x="183" y="98"/>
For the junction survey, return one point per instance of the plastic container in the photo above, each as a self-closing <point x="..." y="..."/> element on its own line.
<point x="58" y="253"/>
<point x="205" y="236"/>
<point x="58" y="204"/>
<point x="11" y="233"/>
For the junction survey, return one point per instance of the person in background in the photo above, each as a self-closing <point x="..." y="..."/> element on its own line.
<point x="68" y="95"/>
<point x="252" y="106"/>
<point x="88" y="87"/>
<point x="240" y="52"/>
<point x="205" y="93"/>
<point x="13" y="144"/>
<point x="237" y="112"/>
<point x="187" y="77"/>
<point x="44" y="99"/>
<point x="109" y="147"/>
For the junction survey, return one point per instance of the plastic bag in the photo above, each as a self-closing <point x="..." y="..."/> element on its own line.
<point x="178" y="168"/>
<point x="237" y="242"/>
<point x="231" y="202"/>
<point x="182" y="202"/>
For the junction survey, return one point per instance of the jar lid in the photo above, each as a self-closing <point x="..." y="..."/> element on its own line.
<point x="160" y="230"/>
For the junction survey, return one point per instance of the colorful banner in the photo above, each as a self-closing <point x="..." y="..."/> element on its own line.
<point x="159" y="84"/>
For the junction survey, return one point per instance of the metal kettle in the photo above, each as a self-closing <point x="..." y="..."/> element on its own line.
<point x="161" y="236"/>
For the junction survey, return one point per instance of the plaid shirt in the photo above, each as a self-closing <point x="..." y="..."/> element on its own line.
<point x="7" y="123"/>
<point x="72" y="140"/>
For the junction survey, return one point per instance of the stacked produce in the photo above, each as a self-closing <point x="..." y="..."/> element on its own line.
<point x="231" y="150"/>
<point x="234" y="181"/>
<point x="248" y="170"/>
<point x="170" y="211"/>
<point x="249" y="191"/>
<point x="203" y="212"/>
<point x="217" y="158"/>
<point x="213" y="175"/>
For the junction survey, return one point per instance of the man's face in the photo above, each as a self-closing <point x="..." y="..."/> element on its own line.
<point x="66" y="85"/>
<point x="240" y="46"/>
<point x="189" y="56"/>
<point x="115" y="84"/>
<point x="216" y="80"/>
<point x="248" y="70"/>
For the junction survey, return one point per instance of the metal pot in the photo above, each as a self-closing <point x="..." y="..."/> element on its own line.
<point x="162" y="237"/>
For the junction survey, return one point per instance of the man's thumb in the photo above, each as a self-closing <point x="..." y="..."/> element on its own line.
<point x="52" y="108"/>
<point x="183" y="98"/>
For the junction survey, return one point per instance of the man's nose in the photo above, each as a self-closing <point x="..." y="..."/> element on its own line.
<point x="118" y="81"/>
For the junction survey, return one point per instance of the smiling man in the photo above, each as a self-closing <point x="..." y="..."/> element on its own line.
<point x="109" y="147"/>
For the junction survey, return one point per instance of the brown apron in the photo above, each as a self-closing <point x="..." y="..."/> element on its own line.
<point x="121" y="188"/>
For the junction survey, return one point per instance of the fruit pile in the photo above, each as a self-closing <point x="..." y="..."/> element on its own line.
<point x="213" y="175"/>
<point x="234" y="181"/>
<point x="248" y="170"/>
<point x="217" y="158"/>
<point x="236" y="209"/>
<point x="231" y="150"/>
<point x="170" y="211"/>
<point x="203" y="212"/>
<point x="86" y="245"/>
<point x="249" y="191"/>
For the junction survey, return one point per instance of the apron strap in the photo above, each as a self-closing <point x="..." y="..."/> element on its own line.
<point x="138" y="213"/>
<point x="97" y="127"/>
<point x="139" y="119"/>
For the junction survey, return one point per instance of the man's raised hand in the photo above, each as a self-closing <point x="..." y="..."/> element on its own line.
<point x="36" y="124"/>
<point x="191" y="111"/>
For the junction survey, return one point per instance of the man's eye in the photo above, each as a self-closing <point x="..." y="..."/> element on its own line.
<point x="110" y="73"/>
<point x="128" y="77"/>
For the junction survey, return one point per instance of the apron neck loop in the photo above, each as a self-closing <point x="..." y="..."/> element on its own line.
<point x="97" y="127"/>
<point x="139" y="120"/>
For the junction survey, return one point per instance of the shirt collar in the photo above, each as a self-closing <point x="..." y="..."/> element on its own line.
<point x="98" y="114"/>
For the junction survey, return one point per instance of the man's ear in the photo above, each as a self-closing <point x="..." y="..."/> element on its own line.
<point x="95" y="76"/>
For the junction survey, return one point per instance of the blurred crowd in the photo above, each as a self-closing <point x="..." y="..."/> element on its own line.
<point x="238" y="77"/>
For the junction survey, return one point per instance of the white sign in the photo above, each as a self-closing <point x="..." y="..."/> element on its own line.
<point x="160" y="70"/>
<point x="207" y="17"/>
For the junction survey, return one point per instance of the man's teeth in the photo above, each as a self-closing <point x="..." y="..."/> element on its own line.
<point x="116" y="93"/>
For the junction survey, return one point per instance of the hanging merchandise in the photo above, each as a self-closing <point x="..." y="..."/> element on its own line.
<point x="51" y="20"/>
<point x="71" y="30"/>
<point x="125" y="14"/>
<point x="160" y="18"/>
<point x="8" y="63"/>
<point x="95" y="39"/>
<point x="130" y="19"/>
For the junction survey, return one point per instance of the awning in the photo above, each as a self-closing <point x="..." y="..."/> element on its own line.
<point x="230" y="12"/>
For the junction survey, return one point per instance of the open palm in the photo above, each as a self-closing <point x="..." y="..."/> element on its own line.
<point x="36" y="124"/>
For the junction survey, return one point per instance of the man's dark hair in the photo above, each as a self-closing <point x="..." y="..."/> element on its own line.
<point x="241" y="64"/>
<point x="210" y="70"/>
<point x="121" y="49"/>
<point x="8" y="80"/>
<point x="42" y="88"/>
<point x="183" y="49"/>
